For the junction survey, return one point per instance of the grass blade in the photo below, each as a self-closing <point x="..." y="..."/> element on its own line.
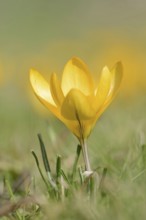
<point x="76" y="162"/>
<point x="58" y="167"/>
<point x="44" y="154"/>
<point x="38" y="166"/>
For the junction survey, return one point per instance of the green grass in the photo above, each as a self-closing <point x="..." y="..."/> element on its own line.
<point x="118" y="143"/>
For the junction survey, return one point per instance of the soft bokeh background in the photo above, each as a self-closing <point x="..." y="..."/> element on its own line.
<point x="45" y="35"/>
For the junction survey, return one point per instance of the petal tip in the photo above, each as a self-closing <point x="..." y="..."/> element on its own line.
<point x="74" y="58"/>
<point x="76" y="61"/>
<point x="105" y="69"/>
<point x="119" y="64"/>
<point x="33" y="71"/>
<point x="119" y="68"/>
<point x="33" y="75"/>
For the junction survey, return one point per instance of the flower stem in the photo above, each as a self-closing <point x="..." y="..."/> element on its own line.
<point x="85" y="155"/>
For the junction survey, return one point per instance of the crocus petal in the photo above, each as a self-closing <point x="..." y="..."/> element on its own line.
<point x="117" y="73"/>
<point x="103" y="87"/>
<point x="41" y="89"/>
<point x="41" y="86"/>
<point x="77" y="106"/>
<point x="76" y="76"/>
<point x="56" y="90"/>
<point x="116" y="78"/>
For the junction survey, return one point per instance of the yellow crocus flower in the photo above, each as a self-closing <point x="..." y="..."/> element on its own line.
<point x="77" y="100"/>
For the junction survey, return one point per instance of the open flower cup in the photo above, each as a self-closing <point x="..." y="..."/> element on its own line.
<point x="77" y="100"/>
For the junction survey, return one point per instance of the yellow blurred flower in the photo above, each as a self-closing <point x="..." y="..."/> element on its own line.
<point x="77" y="100"/>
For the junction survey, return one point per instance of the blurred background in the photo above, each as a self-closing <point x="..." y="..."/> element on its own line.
<point x="45" y="35"/>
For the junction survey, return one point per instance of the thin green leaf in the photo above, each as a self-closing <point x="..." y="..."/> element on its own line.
<point x="81" y="175"/>
<point x="38" y="166"/>
<point x="102" y="178"/>
<point x="65" y="177"/>
<point x="9" y="188"/>
<point x="12" y="197"/>
<point x="44" y="154"/>
<point x="78" y="151"/>
<point x="58" y="167"/>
